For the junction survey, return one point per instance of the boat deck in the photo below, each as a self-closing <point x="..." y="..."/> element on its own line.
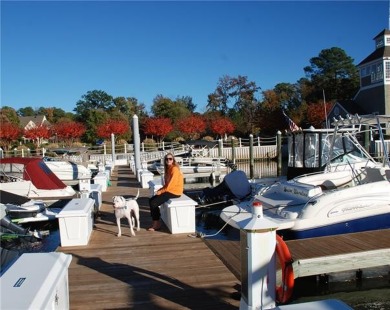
<point x="157" y="270"/>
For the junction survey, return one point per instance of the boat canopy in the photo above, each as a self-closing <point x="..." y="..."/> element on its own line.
<point x="33" y="169"/>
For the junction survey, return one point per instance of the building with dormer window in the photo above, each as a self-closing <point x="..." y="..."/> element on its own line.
<point x="374" y="92"/>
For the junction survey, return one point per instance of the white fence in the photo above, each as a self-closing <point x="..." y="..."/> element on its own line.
<point x="239" y="149"/>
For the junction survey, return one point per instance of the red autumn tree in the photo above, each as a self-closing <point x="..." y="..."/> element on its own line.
<point x="68" y="131"/>
<point x="8" y="133"/>
<point x="316" y="113"/>
<point x="192" y="126"/>
<point x="37" y="134"/>
<point x="158" y="126"/>
<point x="113" y="126"/>
<point x="222" y="126"/>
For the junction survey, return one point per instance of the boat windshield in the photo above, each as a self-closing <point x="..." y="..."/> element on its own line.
<point x="313" y="149"/>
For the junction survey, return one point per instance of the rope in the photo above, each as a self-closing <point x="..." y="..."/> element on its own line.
<point x="212" y="204"/>
<point x="202" y="235"/>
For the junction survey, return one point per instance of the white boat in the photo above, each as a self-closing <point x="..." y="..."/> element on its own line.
<point x="28" y="209"/>
<point x="8" y="227"/>
<point x="68" y="171"/>
<point x="352" y="199"/>
<point x="32" y="178"/>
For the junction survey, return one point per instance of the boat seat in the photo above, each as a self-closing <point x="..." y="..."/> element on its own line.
<point x="387" y="173"/>
<point x="328" y="185"/>
<point x="373" y="175"/>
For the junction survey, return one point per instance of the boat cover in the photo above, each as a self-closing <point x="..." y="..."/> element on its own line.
<point x="238" y="183"/>
<point x="36" y="171"/>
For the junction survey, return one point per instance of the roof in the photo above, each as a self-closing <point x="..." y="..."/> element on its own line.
<point x="37" y="120"/>
<point x="350" y="106"/>
<point x="382" y="33"/>
<point x="377" y="54"/>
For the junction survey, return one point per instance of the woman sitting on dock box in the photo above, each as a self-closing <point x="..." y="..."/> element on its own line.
<point x="173" y="188"/>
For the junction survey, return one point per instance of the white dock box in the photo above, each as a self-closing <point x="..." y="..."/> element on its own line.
<point x="36" y="281"/>
<point x="179" y="214"/>
<point x="102" y="179"/>
<point x="84" y="184"/>
<point x="96" y="194"/>
<point x="76" y="222"/>
<point x="154" y="186"/>
<point x="146" y="176"/>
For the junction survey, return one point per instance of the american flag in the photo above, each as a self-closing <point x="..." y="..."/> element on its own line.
<point x="291" y="124"/>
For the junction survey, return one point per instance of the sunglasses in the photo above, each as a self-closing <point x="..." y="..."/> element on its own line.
<point x="169" y="158"/>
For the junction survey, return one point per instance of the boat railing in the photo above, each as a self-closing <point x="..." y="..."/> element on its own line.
<point x="6" y="177"/>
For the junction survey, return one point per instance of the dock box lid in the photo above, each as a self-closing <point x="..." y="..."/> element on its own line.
<point x="77" y="207"/>
<point x="96" y="187"/>
<point x="23" y="286"/>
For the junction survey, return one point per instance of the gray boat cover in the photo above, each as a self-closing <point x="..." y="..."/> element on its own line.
<point x="238" y="183"/>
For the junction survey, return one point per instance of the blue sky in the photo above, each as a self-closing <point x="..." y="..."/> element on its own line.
<point x="54" y="52"/>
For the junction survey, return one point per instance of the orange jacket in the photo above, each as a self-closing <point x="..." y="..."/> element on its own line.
<point x="174" y="182"/>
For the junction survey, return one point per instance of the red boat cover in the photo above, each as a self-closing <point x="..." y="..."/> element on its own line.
<point x="37" y="171"/>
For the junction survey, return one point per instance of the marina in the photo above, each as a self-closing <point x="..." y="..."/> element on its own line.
<point x="178" y="271"/>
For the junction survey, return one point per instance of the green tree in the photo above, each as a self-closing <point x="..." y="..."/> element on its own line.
<point x="219" y="99"/>
<point x="91" y="122"/>
<point x="129" y="106"/>
<point x="52" y="114"/>
<point x="236" y="97"/>
<point x="289" y="95"/>
<point x="332" y="73"/>
<point x="93" y="109"/>
<point x="167" y="108"/>
<point x="93" y="100"/>
<point x="187" y="101"/>
<point x="27" y="111"/>
<point x="9" y="114"/>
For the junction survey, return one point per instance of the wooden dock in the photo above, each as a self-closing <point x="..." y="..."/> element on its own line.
<point x="157" y="270"/>
<point x="321" y="255"/>
<point x="153" y="270"/>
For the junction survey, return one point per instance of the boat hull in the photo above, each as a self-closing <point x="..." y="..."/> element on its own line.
<point x="376" y="222"/>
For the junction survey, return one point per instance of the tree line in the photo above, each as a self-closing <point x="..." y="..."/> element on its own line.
<point x="236" y="107"/>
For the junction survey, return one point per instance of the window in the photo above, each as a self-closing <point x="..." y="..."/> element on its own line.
<point x="376" y="73"/>
<point x="387" y="70"/>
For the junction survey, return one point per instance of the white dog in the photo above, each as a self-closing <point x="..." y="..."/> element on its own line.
<point x="126" y="208"/>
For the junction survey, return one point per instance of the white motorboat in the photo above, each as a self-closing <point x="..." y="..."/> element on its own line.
<point x="31" y="178"/>
<point x="28" y="209"/>
<point x="352" y="199"/>
<point x="68" y="171"/>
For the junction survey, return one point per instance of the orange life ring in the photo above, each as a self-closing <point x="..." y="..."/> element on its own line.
<point x="285" y="290"/>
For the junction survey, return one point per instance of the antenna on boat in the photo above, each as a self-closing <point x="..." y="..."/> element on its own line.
<point x="326" y="114"/>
